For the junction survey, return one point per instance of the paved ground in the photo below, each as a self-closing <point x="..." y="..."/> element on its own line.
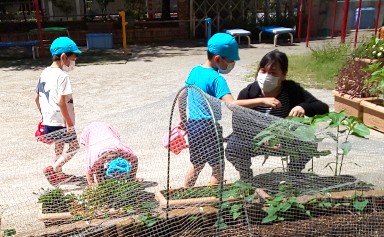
<point x="134" y="95"/>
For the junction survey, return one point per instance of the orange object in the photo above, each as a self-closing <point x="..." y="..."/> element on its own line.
<point x="381" y="32"/>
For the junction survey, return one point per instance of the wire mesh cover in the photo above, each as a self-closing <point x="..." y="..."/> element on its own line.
<point x="285" y="161"/>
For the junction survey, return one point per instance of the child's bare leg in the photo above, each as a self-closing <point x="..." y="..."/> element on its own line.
<point x="215" y="174"/>
<point x="90" y="179"/>
<point x="59" y="149"/>
<point x="73" y="147"/>
<point x="192" y="174"/>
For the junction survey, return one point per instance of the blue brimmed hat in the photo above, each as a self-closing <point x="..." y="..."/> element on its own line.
<point x="64" y="45"/>
<point x="118" y="166"/>
<point x="224" y="45"/>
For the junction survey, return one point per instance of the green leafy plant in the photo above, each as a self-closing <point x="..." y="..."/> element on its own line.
<point x="93" y="202"/>
<point x="112" y="193"/>
<point x="148" y="219"/>
<point x="196" y="192"/>
<point x="345" y="127"/>
<point x="238" y="189"/>
<point x="359" y="203"/>
<point x="279" y="204"/>
<point x="372" y="49"/>
<point x="375" y="83"/>
<point x="55" y="201"/>
<point x="284" y="131"/>
<point x="9" y="232"/>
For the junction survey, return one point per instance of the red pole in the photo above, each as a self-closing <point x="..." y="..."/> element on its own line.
<point x="345" y="19"/>
<point x="300" y="20"/>
<point x="39" y="20"/>
<point x="334" y="18"/>
<point x="377" y="16"/>
<point x="309" y="22"/>
<point x="357" y="24"/>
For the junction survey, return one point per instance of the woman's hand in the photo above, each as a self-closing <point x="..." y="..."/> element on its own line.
<point x="297" y="111"/>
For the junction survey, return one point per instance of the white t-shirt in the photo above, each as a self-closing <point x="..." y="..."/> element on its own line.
<point x="53" y="83"/>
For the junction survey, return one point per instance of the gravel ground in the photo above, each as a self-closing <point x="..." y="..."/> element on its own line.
<point x="136" y="97"/>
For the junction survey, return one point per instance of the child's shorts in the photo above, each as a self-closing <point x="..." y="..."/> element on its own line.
<point x="59" y="134"/>
<point x="205" y="142"/>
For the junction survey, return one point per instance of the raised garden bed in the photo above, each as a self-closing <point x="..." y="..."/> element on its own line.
<point x="112" y="198"/>
<point x="203" y="195"/>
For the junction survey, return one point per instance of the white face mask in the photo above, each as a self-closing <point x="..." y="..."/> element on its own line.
<point x="70" y="67"/>
<point x="230" y="66"/>
<point x="267" y="82"/>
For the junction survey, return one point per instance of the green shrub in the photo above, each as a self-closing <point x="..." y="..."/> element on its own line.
<point x="373" y="49"/>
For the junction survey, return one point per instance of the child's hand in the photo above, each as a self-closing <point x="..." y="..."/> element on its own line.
<point x="272" y="102"/>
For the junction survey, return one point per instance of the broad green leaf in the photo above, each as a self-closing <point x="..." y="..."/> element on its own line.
<point x="268" y="219"/>
<point x="262" y="133"/>
<point x="225" y="205"/>
<point x="272" y="210"/>
<point x="346" y="204"/>
<point x="313" y="201"/>
<point x="285" y="206"/>
<point x="236" y="207"/>
<point x="346" y="147"/>
<point x="300" y="206"/>
<point x="148" y="205"/>
<point x="360" y="130"/>
<point x="230" y="193"/>
<point x="305" y="133"/>
<point x="336" y="118"/>
<point x="327" y="204"/>
<point x="303" y="120"/>
<point x="249" y="198"/>
<point x="336" y="205"/>
<point x="360" y="205"/>
<point x="308" y="212"/>
<point x="264" y="140"/>
<point x="236" y="215"/>
<point x="280" y="218"/>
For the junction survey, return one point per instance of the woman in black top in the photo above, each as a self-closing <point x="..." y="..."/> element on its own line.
<point x="287" y="98"/>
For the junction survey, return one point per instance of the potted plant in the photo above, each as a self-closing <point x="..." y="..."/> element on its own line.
<point x="373" y="110"/>
<point x="371" y="51"/>
<point x="350" y="89"/>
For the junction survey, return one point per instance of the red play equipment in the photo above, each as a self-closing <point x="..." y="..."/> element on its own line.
<point x="334" y="12"/>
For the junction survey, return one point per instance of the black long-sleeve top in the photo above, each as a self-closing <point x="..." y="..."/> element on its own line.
<point x="297" y="96"/>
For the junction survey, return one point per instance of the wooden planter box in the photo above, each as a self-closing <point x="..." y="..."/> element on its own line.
<point x="62" y="217"/>
<point x="351" y="106"/>
<point x="373" y="114"/>
<point x="188" y="202"/>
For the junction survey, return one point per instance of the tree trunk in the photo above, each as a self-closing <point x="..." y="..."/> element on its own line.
<point x="166" y="10"/>
<point x="266" y="12"/>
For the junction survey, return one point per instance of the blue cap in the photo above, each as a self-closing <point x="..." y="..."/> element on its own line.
<point x="64" y="45"/>
<point x="118" y="166"/>
<point x="224" y="45"/>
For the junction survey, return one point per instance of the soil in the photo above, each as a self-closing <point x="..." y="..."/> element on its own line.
<point x="337" y="226"/>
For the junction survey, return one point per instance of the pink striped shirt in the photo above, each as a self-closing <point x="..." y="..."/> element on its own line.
<point x="100" y="137"/>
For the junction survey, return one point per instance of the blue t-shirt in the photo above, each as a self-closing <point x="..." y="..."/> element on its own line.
<point x="211" y="82"/>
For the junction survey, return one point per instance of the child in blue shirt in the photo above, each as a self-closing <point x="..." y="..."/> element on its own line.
<point x="205" y="145"/>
